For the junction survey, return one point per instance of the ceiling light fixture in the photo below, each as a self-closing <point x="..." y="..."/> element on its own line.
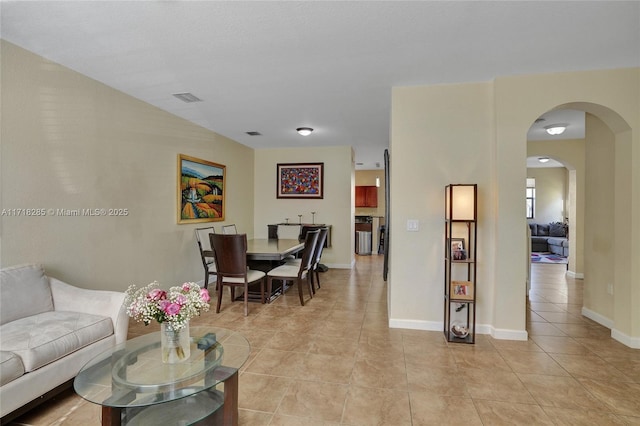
<point x="556" y="129"/>
<point x="543" y="159"/>
<point x="304" y="131"/>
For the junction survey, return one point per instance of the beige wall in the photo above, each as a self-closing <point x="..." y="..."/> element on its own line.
<point x="439" y="135"/>
<point x="551" y="191"/>
<point x="336" y="208"/>
<point x="431" y="145"/>
<point x="69" y="142"/>
<point x="599" y="241"/>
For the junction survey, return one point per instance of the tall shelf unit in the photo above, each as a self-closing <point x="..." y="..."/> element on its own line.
<point x="460" y="262"/>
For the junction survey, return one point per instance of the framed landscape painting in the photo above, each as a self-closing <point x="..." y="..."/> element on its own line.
<point x="200" y="190"/>
<point x="300" y="180"/>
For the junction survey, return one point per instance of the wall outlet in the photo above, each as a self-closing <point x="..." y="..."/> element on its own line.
<point x="413" y="225"/>
<point x="610" y="289"/>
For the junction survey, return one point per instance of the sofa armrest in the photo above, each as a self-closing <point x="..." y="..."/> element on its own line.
<point x="98" y="302"/>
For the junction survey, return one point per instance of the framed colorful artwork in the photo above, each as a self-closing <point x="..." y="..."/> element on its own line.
<point x="200" y="190"/>
<point x="300" y="180"/>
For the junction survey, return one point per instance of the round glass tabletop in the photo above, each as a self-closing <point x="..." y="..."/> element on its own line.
<point x="132" y="374"/>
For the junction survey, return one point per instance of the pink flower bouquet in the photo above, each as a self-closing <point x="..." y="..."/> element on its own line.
<point x="174" y="307"/>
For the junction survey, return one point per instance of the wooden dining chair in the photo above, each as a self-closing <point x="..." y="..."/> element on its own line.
<point x="206" y="253"/>
<point x="231" y="265"/>
<point x="317" y="255"/>
<point x="293" y="272"/>
<point x="229" y="229"/>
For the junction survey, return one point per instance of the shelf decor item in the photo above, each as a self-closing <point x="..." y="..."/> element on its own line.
<point x="461" y="208"/>
<point x="172" y="309"/>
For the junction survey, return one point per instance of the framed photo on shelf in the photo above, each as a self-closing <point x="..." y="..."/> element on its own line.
<point x="461" y="290"/>
<point x="457" y="249"/>
<point x="300" y="180"/>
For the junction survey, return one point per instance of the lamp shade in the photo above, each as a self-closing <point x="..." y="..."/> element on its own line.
<point x="460" y="201"/>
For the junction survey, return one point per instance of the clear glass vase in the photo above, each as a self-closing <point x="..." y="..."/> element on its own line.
<point x="175" y="344"/>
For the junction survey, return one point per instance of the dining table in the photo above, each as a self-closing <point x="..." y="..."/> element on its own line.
<point x="264" y="254"/>
<point x="272" y="249"/>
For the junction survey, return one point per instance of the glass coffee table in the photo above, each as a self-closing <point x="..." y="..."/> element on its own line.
<point x="134" y="386"/>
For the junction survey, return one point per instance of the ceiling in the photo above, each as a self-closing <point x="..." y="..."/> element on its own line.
<point x="271" y="67"/>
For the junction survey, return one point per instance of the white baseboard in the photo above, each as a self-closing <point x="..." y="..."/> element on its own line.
<point x="575" y="275"/>
<point x="600" y="319"/>
<point x="416" y="324"/>
<point x="501" y="334"/>
<point x="632" y="342"/>
<point x="508" y="334"/>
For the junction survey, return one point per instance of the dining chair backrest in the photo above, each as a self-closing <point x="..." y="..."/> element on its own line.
<point x="230" y="254"/>
<point x="309" y="249"/>
<point x="202" y="236"/>
<point x="322" y="237"/>
<point x="289" y="232"/>
<point x="229" y="229"/>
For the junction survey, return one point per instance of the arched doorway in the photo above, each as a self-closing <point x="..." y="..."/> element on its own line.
<point x="599" y="167"/>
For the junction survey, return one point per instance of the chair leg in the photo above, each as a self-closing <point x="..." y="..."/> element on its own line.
<point x="233" y="293"/>
<point x="317" y="277"/>
<point x="206" y="279"/>
<point x="262" y="297"/>
<point x="313" y="287"/>
<point x="310" y="284"/>
<point x="300" y="291"/>
<point x="220" y="286"/>
<point x="269" y="289"/>
<point x="246" y="299"/>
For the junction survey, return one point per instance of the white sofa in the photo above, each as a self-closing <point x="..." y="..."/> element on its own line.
<point x="48" y="331"/>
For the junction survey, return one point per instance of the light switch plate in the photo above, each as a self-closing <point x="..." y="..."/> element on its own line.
<point x="413" y="225"/>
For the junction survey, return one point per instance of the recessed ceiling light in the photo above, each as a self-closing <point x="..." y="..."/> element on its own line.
<point x="304" y="131"/>
<point x="187" y="97"/>
<point x="556" y="129"/>
<point x="543" y="159"/>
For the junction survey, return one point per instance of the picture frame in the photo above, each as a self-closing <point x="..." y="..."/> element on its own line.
<point x="201" y="190"/>
<point x="461" y="290"/>
<point x="300" y="180"/>
<point x="458" y="251"/>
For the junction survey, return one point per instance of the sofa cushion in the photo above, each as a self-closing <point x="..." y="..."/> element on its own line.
<point x="10" y="367"/>
<point x="46" y="337"/>
<point x="557" y="229"/>
<point x="24" y="291"/>
<point x="534" y="229"/>
<point x="553" y="241"/>
<point x="543" y="229"/>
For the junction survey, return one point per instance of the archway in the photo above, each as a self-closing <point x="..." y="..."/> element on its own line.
<point x="600" y="217"/>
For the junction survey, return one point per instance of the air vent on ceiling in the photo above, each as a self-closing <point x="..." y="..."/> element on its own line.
<point x="254" y="133"/>
<point x="187" y="97"/>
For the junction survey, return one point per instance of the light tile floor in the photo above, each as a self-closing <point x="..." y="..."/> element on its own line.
<point x="336" y="362"/>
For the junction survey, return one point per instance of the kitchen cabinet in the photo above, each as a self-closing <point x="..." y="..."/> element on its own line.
<point x="367" y="196"/>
